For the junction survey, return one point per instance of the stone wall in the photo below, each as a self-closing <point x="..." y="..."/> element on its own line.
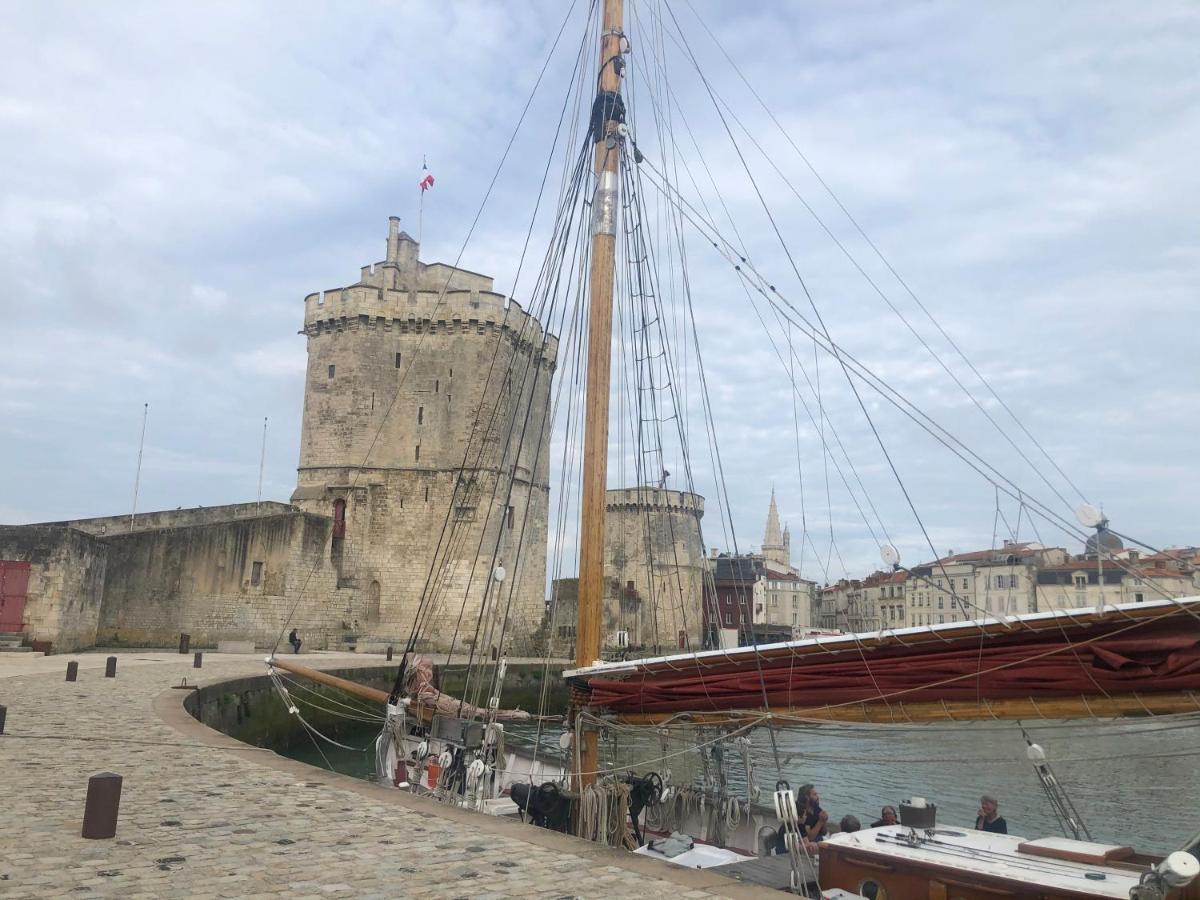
<point x="426" y="426"/>
<point x="66" y="581"/>
<point x="239" y="580"/>
<point x="171" y="518"/>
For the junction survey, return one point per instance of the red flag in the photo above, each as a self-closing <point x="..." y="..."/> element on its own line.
<point x="426" y="181"/>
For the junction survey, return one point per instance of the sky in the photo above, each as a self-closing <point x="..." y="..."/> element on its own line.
<point x="177" y="179"/>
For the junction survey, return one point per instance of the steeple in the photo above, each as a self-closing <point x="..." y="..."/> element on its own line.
<point x="776" y="545"/>
<point x="772" y="538"/>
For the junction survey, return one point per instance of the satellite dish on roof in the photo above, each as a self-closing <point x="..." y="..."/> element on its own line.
<point x="1088" y="515"/>
<point x="890" y="555"/>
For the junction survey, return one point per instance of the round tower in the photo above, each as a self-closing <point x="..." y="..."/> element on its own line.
<point x="419" y="379"/>
<point x="654" y="562"/>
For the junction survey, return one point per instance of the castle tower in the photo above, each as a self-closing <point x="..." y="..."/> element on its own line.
<point x="654" y="560"/>
<point x="776" y="547"/>
<point x="419" y="379"/>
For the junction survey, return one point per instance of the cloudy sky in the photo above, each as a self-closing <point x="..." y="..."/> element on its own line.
<point x="177" y="178"/>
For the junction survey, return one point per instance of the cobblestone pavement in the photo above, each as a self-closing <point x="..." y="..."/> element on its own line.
<point x="204" y="817"/>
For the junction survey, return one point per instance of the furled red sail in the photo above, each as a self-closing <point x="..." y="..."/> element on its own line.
<point x="1151" y="649"/>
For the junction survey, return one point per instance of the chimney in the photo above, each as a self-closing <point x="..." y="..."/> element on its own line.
<point x="715" y="552"/>
<point x="393" y="242"/>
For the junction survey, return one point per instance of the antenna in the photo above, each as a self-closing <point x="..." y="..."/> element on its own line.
<point x="1089" y="516"/>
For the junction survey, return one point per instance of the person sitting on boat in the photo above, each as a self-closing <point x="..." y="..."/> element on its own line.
<point x="989" y="818"/>
<point x="808" y="802"/>
<point x="887" y="816"/>
<point x="422" y="691"/>
<point x="294" y="640"/>
<point x="849" y="823"/>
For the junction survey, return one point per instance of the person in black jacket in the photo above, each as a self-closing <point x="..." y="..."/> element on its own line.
<point x="989" y="818"/>
<point x="294" y="640"/>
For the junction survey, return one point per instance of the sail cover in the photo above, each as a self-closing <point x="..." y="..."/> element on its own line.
<point x="1100" y="654"/>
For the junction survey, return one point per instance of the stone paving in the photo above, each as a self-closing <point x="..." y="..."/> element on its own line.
<point x="203" y="816"/>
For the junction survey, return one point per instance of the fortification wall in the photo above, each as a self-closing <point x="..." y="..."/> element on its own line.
<point x="239" y="580"/>
<point x="653" y="542"/>
<point x="170" y="518"/>
<point x="66" y="580"/>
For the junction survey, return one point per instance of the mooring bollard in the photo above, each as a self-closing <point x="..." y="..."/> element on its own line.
<point x="72" y="670"/>
<point x="389" y="659"/>
<point x="3" y="716"/>
<point x="197" y="660"/>
<point x="110" y="667"/>
<point x="185" y="641"/>
<point x="100" y="809"/>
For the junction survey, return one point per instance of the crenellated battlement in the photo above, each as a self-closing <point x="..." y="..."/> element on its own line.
<point x="403" y="294"/>
<point x="624" y="499"/>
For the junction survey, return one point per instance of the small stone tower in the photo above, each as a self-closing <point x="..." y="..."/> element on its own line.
<point x="419" y="380"/>
<point x="654" y="554"/>
<point x="776" y="547"/>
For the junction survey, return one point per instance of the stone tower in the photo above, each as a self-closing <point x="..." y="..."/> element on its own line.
<point x="776" y="547"/>
<point x="426" y="439"/>
<point x="654" y="558"/>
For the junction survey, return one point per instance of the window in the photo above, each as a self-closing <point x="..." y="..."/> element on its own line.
<point x="339" y="518"/>
<point x="999" y="581"/>
<point x="965" y="585"/>
<point x="451" y="372"/>
<point x="941" y="620"/>
<point x="511" y="516"/>
<point x="1080" y="582"/>
<point x="256" y="573"/>
<point x="420" y="415"/>
<point x="397" y="360"/>
<point x="1137" y="598"/>
<point x="418" y="452"/>
<point x="941" y="603"/>
<point x="436" y="386"/>
<point x="426" y="495"/>
<point x="1012" y="581"/>
<point x="728" y="620"/>
<point x="332" y="369"/>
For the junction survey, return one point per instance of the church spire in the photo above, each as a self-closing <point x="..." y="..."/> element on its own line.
<point x="773" y="537"/>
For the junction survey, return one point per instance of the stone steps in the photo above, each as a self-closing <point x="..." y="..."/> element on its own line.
<point x="12" y="641"/>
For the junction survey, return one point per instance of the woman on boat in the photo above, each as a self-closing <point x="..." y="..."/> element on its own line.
<point x="989" y="818"/>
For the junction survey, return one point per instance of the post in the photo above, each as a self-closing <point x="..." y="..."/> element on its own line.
<point x="198" y="660"/>
<point x="3" y="716"/>
<point x="72" y="670"/>
<point x="605" y="115"/>
<point x="100" y="808"/>
<point x="137" y="478"/>
<point x="185" y="641"/>
<point x="110" y="667"/>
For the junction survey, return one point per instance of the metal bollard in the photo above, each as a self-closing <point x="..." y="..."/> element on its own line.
<point x="110" y="667"/>
<point x="72" y="670"/>
<point x="185" y="641"/>
<point x="197" y="660"/>
<point x="3" y="716"/>
<point x="100" y="809"/>
<point x="389" y="658"/>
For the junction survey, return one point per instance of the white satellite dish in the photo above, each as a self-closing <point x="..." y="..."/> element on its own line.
<point x="890" y="555"/>
<point x="1088" y="515"/>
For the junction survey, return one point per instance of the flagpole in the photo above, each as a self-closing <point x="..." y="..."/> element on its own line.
<point x="137" y="478"/>
<point x="262" y="459"/>
<point x="420" y="215"/>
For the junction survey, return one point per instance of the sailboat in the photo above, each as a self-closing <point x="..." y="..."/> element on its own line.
<point x="1111" y="661"/>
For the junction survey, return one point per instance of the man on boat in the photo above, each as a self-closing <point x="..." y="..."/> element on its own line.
<point x="814" y="817"/>
<point x="849" y="823"/>
<point x="989" y="818"/>
<point x="887" y="816"/>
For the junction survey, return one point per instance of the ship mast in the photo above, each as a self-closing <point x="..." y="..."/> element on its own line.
<point x="607" y="114"/>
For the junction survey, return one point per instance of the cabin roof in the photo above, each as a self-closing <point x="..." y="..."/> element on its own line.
<point x="979" y="853"/>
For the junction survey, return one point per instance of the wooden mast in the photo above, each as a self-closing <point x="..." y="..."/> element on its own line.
<point x="607" y="114"/>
